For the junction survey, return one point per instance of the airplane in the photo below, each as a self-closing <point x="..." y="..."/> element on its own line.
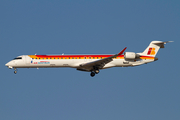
<point x="89" y="63"/>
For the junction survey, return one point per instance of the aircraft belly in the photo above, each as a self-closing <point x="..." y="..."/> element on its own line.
<point x="117" y="62"/>
<point x="125" y="63"/>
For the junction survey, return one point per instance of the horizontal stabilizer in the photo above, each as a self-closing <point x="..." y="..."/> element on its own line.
<point x="160" y="43"/>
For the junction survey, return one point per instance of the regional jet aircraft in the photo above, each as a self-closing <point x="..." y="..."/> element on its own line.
<point x="89" y="63"/>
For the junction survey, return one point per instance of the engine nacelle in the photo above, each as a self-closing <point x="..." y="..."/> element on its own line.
<point x="130" y="55"/>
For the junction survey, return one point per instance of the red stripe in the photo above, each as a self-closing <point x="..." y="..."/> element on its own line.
<point x="55" y="56"/>
<point x="147" y="56"/>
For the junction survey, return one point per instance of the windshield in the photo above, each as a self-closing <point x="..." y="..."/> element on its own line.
<point x="17" y="58"/>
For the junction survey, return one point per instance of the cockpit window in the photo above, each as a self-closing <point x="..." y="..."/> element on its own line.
<point x="17" y="58"/>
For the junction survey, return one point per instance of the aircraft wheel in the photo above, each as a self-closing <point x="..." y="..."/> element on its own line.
<point x="96" y="71"/>
<point x="15" y="72"/>
<point x="92" y="74"/>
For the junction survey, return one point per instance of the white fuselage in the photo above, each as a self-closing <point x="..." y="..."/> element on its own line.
<point x="28" y="62"/>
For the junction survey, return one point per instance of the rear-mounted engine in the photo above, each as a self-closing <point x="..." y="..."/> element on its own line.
<point x="130" y="55"/>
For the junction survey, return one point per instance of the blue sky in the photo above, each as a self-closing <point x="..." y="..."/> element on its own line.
<point x="90" y="27"/>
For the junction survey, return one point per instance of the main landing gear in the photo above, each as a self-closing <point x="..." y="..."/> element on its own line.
<point x="93" y="73"/>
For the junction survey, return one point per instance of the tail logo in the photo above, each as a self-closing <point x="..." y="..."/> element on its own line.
<point x="151" y="51"/>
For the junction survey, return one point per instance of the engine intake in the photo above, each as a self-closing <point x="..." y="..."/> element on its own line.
<point x="130" y="55"/>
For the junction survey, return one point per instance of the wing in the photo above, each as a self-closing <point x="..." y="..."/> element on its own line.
<point x="99" y="64"/>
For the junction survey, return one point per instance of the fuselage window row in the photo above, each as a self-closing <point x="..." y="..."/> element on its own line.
<point x="73" y="58"/>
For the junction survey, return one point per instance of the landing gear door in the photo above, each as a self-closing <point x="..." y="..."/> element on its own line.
<point x="27" y="60"/>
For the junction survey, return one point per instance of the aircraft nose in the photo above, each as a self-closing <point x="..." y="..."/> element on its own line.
<point x="6" y="64"/>
<point x="9" y="64"/>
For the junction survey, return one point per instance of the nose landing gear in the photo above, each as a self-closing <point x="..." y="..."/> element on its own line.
<point x="15" y="70"/>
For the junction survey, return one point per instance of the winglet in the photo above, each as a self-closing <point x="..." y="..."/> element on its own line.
<point x="122" y="51"/>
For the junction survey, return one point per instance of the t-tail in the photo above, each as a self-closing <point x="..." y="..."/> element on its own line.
<point x="153" y="48"/>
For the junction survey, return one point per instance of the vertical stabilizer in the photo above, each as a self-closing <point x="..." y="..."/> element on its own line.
<point x="153" y="48"/>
